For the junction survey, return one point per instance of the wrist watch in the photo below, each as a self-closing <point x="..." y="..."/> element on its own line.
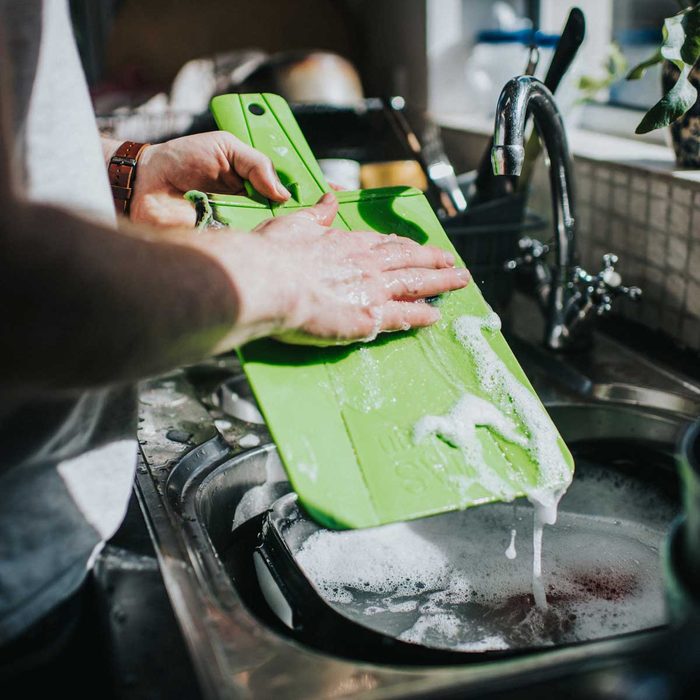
<point x="122" y="173"/>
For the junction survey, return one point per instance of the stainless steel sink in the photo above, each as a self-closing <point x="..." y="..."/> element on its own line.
<point x="646" y="397"/>
<point x="242" y="649"/>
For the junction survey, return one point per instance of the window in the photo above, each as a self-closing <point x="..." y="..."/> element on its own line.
<point x="466" y="72"/>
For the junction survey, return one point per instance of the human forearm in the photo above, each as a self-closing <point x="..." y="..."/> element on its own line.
<point x="109" y="147"/>
<point x="85" y="306"/>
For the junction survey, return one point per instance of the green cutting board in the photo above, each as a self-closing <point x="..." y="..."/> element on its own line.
<point x="344" y="418"/>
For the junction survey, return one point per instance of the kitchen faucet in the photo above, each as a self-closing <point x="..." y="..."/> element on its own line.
<point x="569" y="296"/>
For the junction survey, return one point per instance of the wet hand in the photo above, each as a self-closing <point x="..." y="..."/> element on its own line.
<point x="306" y="282"/>
<point x="212" y="162"/>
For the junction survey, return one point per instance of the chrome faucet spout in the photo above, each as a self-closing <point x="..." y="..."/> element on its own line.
<point x="521" y="97"/>
<point x="569" y="296"/>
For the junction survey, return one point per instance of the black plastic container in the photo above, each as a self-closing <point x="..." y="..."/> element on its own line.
<point x="682" y="553"/>
<point x="486" y="238"/>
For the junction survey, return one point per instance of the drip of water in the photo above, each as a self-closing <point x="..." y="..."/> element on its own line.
<point x="546" y="506"/>
<point x="509" y="398"/>
<point x="510" y="552"/>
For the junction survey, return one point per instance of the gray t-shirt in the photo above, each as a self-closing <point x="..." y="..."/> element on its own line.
<point x="66" y="464"/>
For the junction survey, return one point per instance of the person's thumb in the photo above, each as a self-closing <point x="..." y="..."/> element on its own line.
<point x="322" y="213"/>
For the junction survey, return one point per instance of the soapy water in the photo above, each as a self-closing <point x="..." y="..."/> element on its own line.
<point x="509" y="398"/>
<point x="443" y="582"/>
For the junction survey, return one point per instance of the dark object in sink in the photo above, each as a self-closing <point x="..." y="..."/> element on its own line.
<point x="689" y="459"/>
<point x="486" y="237"/>
<point x="682" y="552"/>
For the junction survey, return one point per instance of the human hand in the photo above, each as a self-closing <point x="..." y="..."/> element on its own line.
<point x="213" y="162"/>
<point x="305" y="282"/>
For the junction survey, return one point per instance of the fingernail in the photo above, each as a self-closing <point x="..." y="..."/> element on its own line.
<point x="463" y="274"/>
<point x="327" y="198"/>
<point x="449" y="258"/>
<point x="282" y="191"/>
<point x="435" y="315"/>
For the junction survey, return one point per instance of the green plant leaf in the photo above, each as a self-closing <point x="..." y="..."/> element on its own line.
<point x="674" y="38"/>
<point x="681" y="46"/>
<point x="613" y="69"/>
<point x="690" y="51"/>
<point x="674" y="104"/>
<point x="639" y="70"/>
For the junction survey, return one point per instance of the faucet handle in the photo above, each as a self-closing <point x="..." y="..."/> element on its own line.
<point x="531" y="251"/>
<point x="602" y="288"/>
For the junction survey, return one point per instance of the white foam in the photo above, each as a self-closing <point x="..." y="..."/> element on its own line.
<point x="378" y="316"/>
<point x="428" y="583"/>
<point x="342" y="562"/>
<point x="459" y="426"/>
<point x="249" y="440"/>
<point x="511" y="395"/>
<point x="508" y="398"/>
<point x="443" y="624"/>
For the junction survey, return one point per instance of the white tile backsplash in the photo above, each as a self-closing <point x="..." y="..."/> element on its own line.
<point x="694" y="261"/>
<point x="658" y="212"/>
<point x="693" y="299"/>
<point x="679" y="219"/>
<point x="659" y="188"/>
<point x="652" y="221"/>
<point x="677" y="253"/>
<point x="631" y="200"/>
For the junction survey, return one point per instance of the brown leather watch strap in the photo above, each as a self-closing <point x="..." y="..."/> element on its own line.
<point x="122" y="173"/>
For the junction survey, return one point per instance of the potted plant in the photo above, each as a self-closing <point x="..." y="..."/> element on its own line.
<point x="679" y="107"/>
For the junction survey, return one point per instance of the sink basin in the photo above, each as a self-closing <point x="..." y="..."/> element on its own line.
<point x="207" y="507"/>
<point x="647" y="398"/>
<point x="624" y="497"/>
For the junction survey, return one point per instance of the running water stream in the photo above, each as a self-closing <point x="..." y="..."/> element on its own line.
<point x="424" y="582"/>
<point x="509" y="400"/>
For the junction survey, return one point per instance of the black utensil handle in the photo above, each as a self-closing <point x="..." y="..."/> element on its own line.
<point x="572" y="37"/>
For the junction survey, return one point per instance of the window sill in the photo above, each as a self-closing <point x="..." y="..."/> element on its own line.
<point x="591" y="145"/>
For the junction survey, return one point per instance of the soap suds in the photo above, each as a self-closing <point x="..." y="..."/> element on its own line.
<point x="378" y="317"/>
<point x="502" y="387"/>
<point x="249" y="440"/>
<point x="458" y="428"/>
<point x="426" y="583"/>
<point x="329" y="558"/>
<point x="508" y="397"/>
